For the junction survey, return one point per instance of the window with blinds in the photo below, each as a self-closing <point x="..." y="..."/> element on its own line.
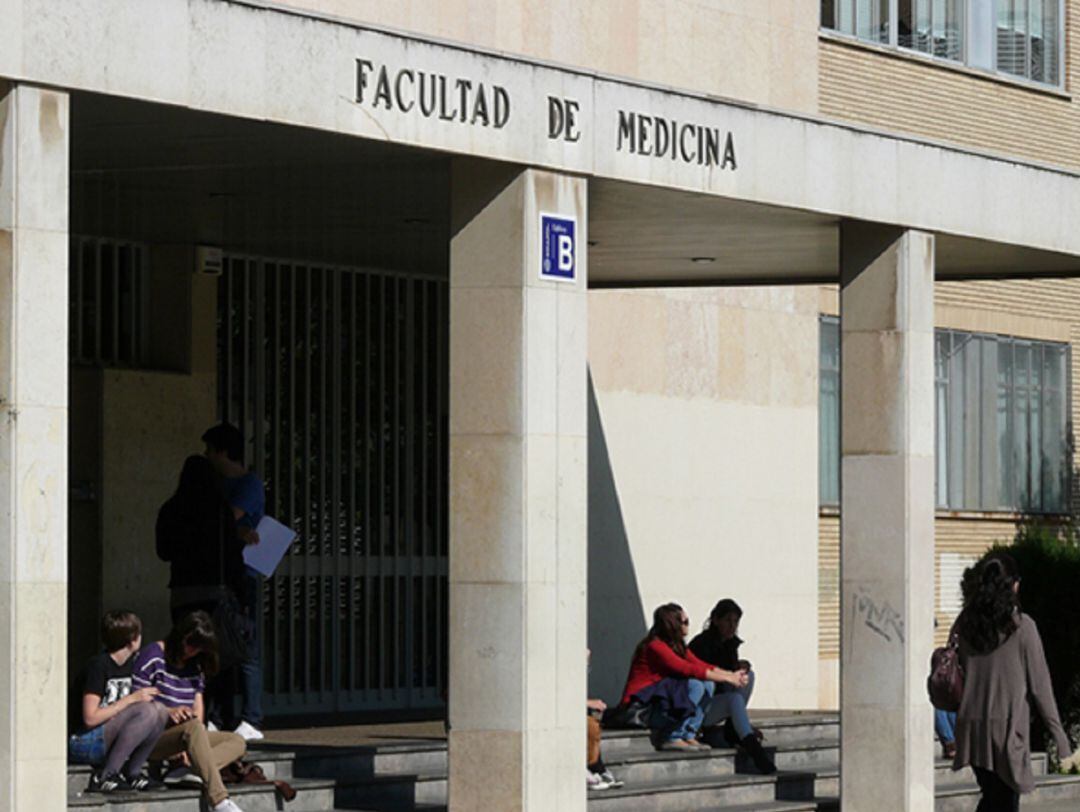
<point x="1021" y="38"/>
<point x="1001" y="422"/>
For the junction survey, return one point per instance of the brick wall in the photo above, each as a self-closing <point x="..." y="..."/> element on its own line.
<point x="874" y="86"/>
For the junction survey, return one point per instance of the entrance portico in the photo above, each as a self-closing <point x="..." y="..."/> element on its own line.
<point x="801" y="200"/>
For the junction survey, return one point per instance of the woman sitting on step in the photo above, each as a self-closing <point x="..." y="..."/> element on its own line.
<point x="178" y="667"/>
<point x="719" y="644"/>
<point x="112" y="727"/>
<point x="678" y="685"/>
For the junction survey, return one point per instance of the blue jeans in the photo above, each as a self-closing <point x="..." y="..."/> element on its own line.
<point x="730" y="703"/>
<point x="88" y="747"/>
<point x="944" y="725"/>
<point x="701" y="694"/>
<point x="251" y="676"/>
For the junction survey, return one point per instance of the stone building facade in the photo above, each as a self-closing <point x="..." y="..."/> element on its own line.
<point x="513" y="358"/>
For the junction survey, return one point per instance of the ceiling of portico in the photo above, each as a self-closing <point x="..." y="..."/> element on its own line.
<point x="167" y="174"/>
<point x="645" y="236"/>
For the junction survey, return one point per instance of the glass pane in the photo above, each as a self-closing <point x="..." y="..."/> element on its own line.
<point x="946" y="28"/>
<point x="1020" y="426"/>
<point x="1045" y="28"/>
<point x="828" y="13"/>
<point x="872" y="20"/>
<point x="981" y="27"/>
<point x="1006" y="466"/>
<point x="1021" y="363"/>
<point x="1054" y="451"/>
<point x="957" y="450"/>
<point x="1035" y="452"/>
<point x="829" y="413"/>
<point x="972" y="383"/>
<point x="1053" y="367"/>
<point x="1012" y="34"/>
<point x="941" y="418"/>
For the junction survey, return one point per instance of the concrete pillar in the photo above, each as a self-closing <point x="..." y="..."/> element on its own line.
<point x="886" y="517"/>
<point x="34" y="139"/>
<point x="518" y="454"/>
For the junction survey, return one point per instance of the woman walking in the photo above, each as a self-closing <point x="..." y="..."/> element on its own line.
<point x="1003" y="661"/>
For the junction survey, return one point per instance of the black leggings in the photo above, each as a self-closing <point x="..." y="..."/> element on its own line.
<point x="997" y="796"/>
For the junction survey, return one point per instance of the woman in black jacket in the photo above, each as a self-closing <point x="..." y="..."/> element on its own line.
<point x="718" y="644"/>
<point x="196" y="534"/>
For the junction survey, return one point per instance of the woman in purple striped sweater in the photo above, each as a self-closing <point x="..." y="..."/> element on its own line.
<point x="178" y="667"/>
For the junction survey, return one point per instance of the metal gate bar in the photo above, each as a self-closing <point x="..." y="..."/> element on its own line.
<point x="337" y="377"/>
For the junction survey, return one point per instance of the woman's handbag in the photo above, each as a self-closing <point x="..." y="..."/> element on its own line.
<point x="234" y="630"/>
<point x="633" y="716"/>
<point x="244" y="772"/>
<point x="946" y="681"/>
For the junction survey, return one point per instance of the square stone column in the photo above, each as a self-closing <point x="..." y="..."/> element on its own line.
<point x="886" y="518"/>
<point x="34" y="140"/>
<point x="518" y="551"/>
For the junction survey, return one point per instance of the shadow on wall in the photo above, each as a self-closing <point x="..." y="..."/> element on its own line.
<point x="616" y="615"/>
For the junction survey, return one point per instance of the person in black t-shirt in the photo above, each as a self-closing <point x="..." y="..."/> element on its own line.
<point x="111" y="726"/>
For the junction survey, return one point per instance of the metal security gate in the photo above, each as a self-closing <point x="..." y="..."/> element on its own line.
<point x="338" y="378"/>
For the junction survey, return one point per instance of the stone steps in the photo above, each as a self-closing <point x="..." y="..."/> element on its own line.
<point x="411" y="776"/>
<point x="312" y="795"/>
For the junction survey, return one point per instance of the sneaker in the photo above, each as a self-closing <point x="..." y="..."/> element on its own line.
<point x="226" y="806"/>
<point x="212" y="727"/>
<point x="107" y="783"/>
<point x="595" y="781"/>
<point x="248" y="732"/>
<point x="144" y="783"/>
<point x="182" y="777"/>
<point x="611" y="780"/>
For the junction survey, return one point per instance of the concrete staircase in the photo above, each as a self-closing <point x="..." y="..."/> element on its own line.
<point x="411" y="776"/>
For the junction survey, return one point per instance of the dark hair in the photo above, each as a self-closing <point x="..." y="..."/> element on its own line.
<point x="198" y="484"/>
<point x="723" y="608"/>
<point x="667" y="626"/>
<point x="228" y="438"/>
<point x="990" y="602"/>
<point x="195" y="629"/>
<point x="118" y="628"/>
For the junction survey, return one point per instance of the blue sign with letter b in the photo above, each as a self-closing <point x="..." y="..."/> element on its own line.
<point x="558" y="247"/>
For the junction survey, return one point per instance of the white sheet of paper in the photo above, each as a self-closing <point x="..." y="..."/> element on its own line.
<point x="274" y="540"/>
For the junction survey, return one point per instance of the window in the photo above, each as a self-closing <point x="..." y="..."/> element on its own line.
<point x="934" y="27"/>
<point x="1021" y="38"/>
<point x="1028" y="36"/>
<point x="107" y="301"/>
<point x="1001" y="428"/>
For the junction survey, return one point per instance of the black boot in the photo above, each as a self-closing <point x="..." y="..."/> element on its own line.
<point x="757" y="754"/>
<point x="730" y="735"/>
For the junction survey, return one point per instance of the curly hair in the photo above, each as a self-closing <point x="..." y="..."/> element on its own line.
<point x="667" y="626"/>
<point x="990" y="602"/>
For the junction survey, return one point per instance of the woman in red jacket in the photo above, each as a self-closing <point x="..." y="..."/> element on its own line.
<point x="665" y="674"/>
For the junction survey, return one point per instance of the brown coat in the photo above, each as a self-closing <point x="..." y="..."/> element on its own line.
<point x="992" y="727"/>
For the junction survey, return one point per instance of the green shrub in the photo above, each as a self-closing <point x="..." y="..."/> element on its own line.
<point x="1049" y="559"/>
